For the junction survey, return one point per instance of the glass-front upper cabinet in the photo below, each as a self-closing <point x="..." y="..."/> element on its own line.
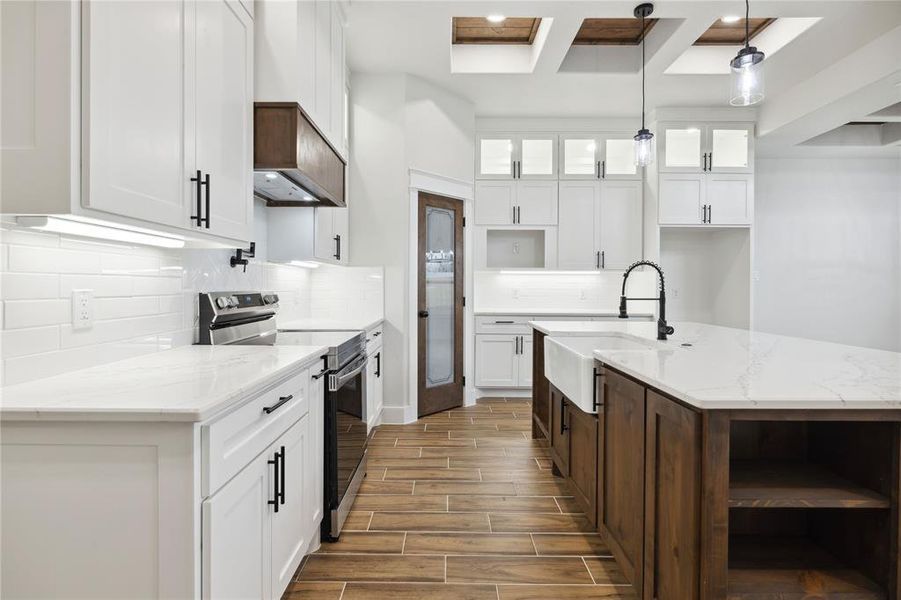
<point x="706" y="148"/>
<point x="598" y="156"/>
<point x="526" y="156"/>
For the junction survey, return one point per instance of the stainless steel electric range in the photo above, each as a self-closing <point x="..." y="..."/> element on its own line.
<point x="249" y="318"/>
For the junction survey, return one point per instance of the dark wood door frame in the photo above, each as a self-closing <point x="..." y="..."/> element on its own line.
<point x="451" y="395"/>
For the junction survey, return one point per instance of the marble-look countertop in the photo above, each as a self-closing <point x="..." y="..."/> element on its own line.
<point x="725" y="368"/>
<point x="191" y="383"/>
<point x="570" y="312"/>
<point x="351" y="323"/>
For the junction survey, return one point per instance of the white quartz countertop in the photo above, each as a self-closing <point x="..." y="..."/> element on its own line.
<point x="725" y="368"/>
<point x="350" y="323"/>
<point x="570" y="312"/>
<point x="192" y="383"/>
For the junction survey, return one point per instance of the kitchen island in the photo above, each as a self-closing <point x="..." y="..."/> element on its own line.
<point x="723" y="463"/>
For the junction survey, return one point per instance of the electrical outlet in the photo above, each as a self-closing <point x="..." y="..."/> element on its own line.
<point x="82" y="309"/>
<point x="582" y="295"/>
<point x="515" y="294"/>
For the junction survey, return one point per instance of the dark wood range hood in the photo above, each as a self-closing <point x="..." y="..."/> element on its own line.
<point x="293" y="163"/>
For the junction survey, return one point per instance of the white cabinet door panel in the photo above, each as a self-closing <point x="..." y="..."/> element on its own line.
<point x="138" y="122"/>
<point x="237" y="535"/>
<point x="579" y="156"/>
<point x="620" y="223"/>
<point x="494" y="202"/>
<point x="729" y="199"/>
<point x="495" y="154"/>
<point x="537" y="157"/>
<point x="731" y="148"/>
<point x="577" y="245"/>
<point x="536" y="202"/>
<point x="289" y="524"/>
<point x="525" y="361"/>
<point x="313" y="473"/>
<point x="224" y="109"/>
<point x="497" y="364"/>
<point x="680" y="199"/>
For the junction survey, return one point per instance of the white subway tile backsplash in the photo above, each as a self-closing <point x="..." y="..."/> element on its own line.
<point x="28" y="286"/>
<point x="21" y="342"/>
<point x="145" y="298"/>
<point x="52" y="260"/>
<point x="34" y="313"/>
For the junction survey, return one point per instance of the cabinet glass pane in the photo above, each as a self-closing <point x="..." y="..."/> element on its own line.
<point x="578" y="157"/>
<point x="730" y="148"/>
<point x="620" y="157"/>
<point x="496" y="157"/>
<point x="683" y="147"/>
<point x="537" y="157"/>
<point x="439" y="296"/>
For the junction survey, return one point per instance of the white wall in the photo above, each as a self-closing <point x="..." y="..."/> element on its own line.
<point x="145" y="298"/>
<point x="828" y="249"/>
<point x="399" y="122"/>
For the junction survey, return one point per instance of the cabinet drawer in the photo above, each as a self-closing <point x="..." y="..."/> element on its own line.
<point x="374" y="340"/>
<point x="503" y="324"/>
<point x="230" y="443"/>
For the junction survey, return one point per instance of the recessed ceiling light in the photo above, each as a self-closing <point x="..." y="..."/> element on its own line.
<point x="308" y="198"/>
<point x="271" y="176"/>
<point x="730" y="19"/>
<point x="496" y="18"/>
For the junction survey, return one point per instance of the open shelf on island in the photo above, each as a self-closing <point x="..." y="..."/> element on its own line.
<point x="790" y="484"/>
<point x="792" y="568"/>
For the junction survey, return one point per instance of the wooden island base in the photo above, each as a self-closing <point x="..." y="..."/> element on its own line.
<point x="732" y="504"/>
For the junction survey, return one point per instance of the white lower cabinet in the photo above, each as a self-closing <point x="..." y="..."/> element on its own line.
<point x="600" y="224"/>
<point x="290" y="528"/>
<point x="503" y="360"/>
<point x="374" y="370"/>
<point x="705" y="199"/>
<point x="237" y="536"/>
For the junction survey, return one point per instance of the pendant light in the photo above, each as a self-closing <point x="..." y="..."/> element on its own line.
<point x="644" y="139"/>
<point x="747" y="70"/>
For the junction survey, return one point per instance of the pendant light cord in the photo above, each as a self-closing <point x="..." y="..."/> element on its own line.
<point x="642" y="69"/>
<point x="747" y="23"/>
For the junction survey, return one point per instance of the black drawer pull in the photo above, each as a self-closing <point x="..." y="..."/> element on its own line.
<point x="281" y="493"/>
<point x="275" y="483"/>
<point x="503" y="322"/>
<point x="277" y="405"/>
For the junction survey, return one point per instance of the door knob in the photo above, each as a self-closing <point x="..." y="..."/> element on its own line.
<point x="423" y="314"/>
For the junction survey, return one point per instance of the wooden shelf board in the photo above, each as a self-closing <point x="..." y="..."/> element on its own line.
<point x="792" y="569"/>
<point x="756" y="484"/>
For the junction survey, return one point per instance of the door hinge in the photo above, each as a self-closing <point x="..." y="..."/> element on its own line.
<point x="464" y="221"/>
<point x="464" y="380"/>
<point x="464" y="300"/>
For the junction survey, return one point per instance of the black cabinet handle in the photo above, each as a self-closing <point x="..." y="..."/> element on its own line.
<point x="277" y="405"/>
<point x="320" y="374"/>
<point x="337" y="253"/>
<point x="563" y="425"/>
<point x="275" y="476"/>
<point x="376" y="334"/>
<point x="599" y="380"/>
<point x="198" y="181"/>
<point x="710" y="163"/>
<point x="603" y="169"/>
<point x="206" y="183"/>
<point x="709" y="213"/>
<point x="504" y="322"/>
<point x="514" y="215"/>
<point x="281" y="493"/>
<point x="603" y="260"/>
<point x="704" y="168"/>
<point x="378" y="364"/>
<point x="597" y="169"/>
<point x="597" y="260"/>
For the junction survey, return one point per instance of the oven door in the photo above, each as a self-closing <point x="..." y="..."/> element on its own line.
<point x="346" y="438"/>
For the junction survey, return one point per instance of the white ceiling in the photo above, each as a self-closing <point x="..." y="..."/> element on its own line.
<point x="842" y="68"/>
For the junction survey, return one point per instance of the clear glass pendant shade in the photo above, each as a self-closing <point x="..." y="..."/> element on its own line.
<point x="747" y="78"/>
<point x="644" y="148"/>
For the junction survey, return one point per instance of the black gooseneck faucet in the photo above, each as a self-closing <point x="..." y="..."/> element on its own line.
<point x="663" y="329"/>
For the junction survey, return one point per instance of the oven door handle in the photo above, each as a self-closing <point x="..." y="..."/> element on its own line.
<point x="336" y="380"/>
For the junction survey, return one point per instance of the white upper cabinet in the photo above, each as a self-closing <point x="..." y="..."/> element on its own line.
<point x="681" y="198"/>
<point x="620" y="230"/>
<point x="729" y="199"/>
<point x="300" y="57"/>
<point x="516" y="203"/>
<point x="139" y="121"/>
<point x="162" y="91"/>
<point x="577" y="245"/>
<point x="495" y="202"/>
<point x="224" y="114"/>
<point x="598" y="156"/>
<point x="506" y="156"/>
<point x="706" y="148"/>
<point x="706" y="199"/>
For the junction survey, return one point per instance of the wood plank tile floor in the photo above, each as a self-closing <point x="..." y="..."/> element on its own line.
<point x="462" y="505"/>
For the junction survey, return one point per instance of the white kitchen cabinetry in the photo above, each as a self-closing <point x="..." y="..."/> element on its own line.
<point x="516" y="156"/>
<point x="332" y="235"/>
<point x="374" y="370"/>
<point x="600" y="224"/>
<point x="515" y="247"/>
<point x="711" y="199"/>
<point x="223" y="508"/>
<point x="517" y="202"/>
<point x="706" y="148"/>
<point x="129" y="101"/>
<point x="598" y="156"/>
<point x="497" y="361"/>
<point x="308" y="234"/>
<point x="300" y="57"/>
